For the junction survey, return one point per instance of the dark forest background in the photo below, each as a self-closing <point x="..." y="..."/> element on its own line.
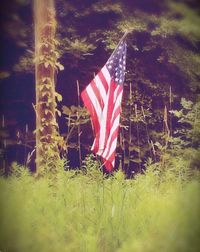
<point x="161" y="102"/>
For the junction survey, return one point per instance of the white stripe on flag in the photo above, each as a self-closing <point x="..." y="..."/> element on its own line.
<point x="103" y="122"/>
<point x="106" y="74"/>
<point x="101" y="88"/>
<point x="114" y="127"/>
<point x="94" y="101"/>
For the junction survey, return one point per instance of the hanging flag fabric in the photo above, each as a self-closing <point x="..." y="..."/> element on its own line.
<point x="102" y="97"/>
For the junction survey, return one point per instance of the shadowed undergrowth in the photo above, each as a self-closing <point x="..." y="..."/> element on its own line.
<point x="158" y="211"/>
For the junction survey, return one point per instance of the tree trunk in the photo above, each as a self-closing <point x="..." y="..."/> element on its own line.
<point x="45" y="69"/>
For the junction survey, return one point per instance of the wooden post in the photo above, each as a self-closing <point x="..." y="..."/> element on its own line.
<point x="170" y="108"/>
<point x="79" y="127"/>
<point x="130" y="126"/>
<point x="45" y="65"/>
<point x="4" y="146"/>
<point x="138" y="137"/>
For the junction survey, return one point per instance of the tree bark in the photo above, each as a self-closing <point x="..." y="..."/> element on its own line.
<point x="45" y="70"/>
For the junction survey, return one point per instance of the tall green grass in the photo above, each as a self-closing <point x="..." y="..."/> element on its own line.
<point x="156" y="211"/>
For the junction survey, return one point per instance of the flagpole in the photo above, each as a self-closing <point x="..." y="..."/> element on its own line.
<point x="130" y="124"/>
<point x="122" y="38"/>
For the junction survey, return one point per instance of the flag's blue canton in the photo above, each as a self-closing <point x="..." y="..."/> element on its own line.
<point x="116" y="64"/>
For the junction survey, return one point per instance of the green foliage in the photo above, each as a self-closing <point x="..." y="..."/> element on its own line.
<point x="189" y="119"/>
<point x="81" y="212"/>
<point x="78" y="47"/>
<point x="75" y="116"/>
<point x="163" y="55"/>
<point x="25" y="63"/>
<point x="105" y="7"/>
<point x="50" y="165"/>
<point x="91" y="167"/>
<point x="180" y="19"/>
<point x="17" y="170"/>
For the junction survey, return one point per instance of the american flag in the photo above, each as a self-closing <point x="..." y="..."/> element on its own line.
<point x="102" y="97"/>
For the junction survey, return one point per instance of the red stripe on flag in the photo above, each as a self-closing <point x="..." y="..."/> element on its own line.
<point x="109" y="143"/>
<point x="117" y="112"/>
<point x="103" y="80"/>
<point x="112" y="157"/>
<point x="108" y="165"/>
<point x="110" y="107"/>
<point x="108" y="162"/>
<point x="97" y="93"/>
<point x="117" y="109"/>
<point x="89" y="105"/>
